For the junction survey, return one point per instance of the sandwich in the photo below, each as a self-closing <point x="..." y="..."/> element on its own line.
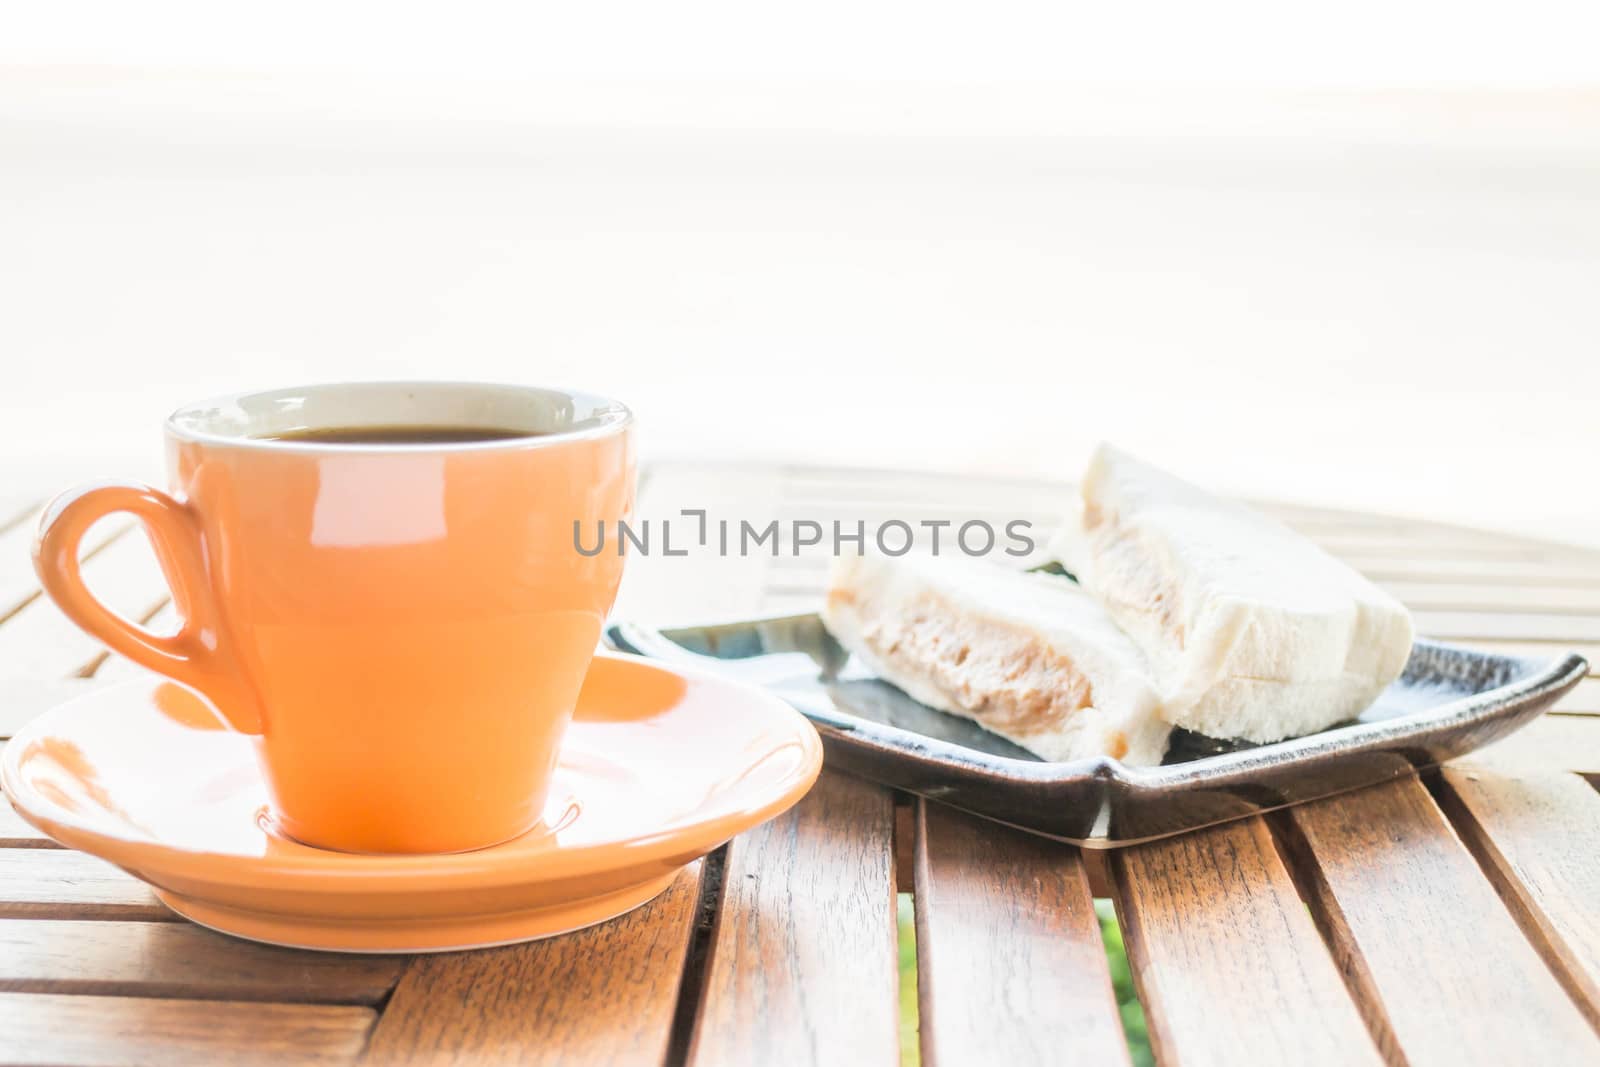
<point x="1252" y="632"/>
<point x="1031" y="657"/>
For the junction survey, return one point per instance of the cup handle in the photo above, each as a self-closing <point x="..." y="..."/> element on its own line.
<point x="198" y="655"/>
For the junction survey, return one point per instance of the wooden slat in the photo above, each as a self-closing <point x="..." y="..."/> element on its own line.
<point x="1491" y="554"/>
<point x="1584" y="699"/>
<point x="166" y="959"/>
<point x="1551" y="744"/>
<point x="114" y="668"/>
<point x="802" y="967"/>
<point x="803" y="964"/>
<point x="19" y="586"/>
<point x="1546" y="650"/>
<point x="1318" y="517"/>
<point x="59" y="884"/>
<point x="77" y="1031"/>
<point x="701" y="586"/>
<point x="1010" y="964"/>
<point x="15" y="833"/>
<point x="1538" y="838"/>
<point x="603" y="995"/>
<point x="1439" y="542"/>
<point x="1503" y="626"/>
<point x="1514" y="599"/>
<point x="849" y="488"/>
<point x="842" y="490"/>
<point x="21" y="699"/>
<point x="1415" y="571"/>
<point x="1437" y="955"/>
<point x="1385" y="559"/>
<point x="40" y="642"/>
<point x="1418" y="569"/>
<point x="16" y="508"/>
<point x="1228" y="964"/>
<point x="17" y="581"/>
<point x="872" y="496"/>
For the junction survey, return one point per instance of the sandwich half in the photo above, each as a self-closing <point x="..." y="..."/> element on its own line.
<point x="1253" y="632"/>
<point x="1030" y="657"/>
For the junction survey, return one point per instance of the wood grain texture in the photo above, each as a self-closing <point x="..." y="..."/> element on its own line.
<point x="604" y="995"/>
<point x="1405" y="905"/>
<point x="802" y="968"/>
<point x="1538" y="838"/>
<point x="1228" y="963"/>
<point x="60" y="884"/>
<point x="168" y="959"/>
<point x="1011" y="968"/>
<point x="82" y="1031"/>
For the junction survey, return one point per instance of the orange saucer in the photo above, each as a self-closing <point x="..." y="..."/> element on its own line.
<point x="659" y="767"/>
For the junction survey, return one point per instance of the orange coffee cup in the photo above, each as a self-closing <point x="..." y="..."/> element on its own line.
<point x="404" y="627"/>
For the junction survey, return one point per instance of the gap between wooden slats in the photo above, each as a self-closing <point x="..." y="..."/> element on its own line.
<point x="802" y="963"/>
<point x="49" y="883"/>
<point x="19" y="585"/>
<point x="168" y="959"/>
<point x="1228" y="964"/>
<point x="1536" y="836"/>
<point x="1011" y="968"/>
<point x="40" y="642"/>
<point x="1442" y="966"/>
<point x="15" y="833"/>
<point x="621" y="985"/>
<point x="109" y="667"/>
<point x="96" y="1031"/>
<point x="606" y="994"/>
<point x="1584" y="699"/>
<point x="18" y="509"/>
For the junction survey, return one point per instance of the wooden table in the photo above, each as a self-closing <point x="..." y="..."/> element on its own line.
<point x="1452" y="919"/>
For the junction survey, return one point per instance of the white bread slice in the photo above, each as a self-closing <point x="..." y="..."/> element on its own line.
<point x="1253" y="631"/>
<point x="1029" y="656"/>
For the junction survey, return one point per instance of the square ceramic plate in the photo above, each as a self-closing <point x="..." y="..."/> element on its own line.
<point x="1448" y="701"/>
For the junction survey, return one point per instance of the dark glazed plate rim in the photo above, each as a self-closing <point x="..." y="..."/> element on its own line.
<point x="1493" y="695"/>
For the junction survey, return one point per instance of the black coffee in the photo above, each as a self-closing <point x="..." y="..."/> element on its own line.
<point x="400" y="435"/>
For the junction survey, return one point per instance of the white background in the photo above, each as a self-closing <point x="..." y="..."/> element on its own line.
<point x="1346" y="253"/>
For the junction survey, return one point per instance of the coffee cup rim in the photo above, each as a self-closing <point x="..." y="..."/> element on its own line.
<point x="225" y="421"/>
